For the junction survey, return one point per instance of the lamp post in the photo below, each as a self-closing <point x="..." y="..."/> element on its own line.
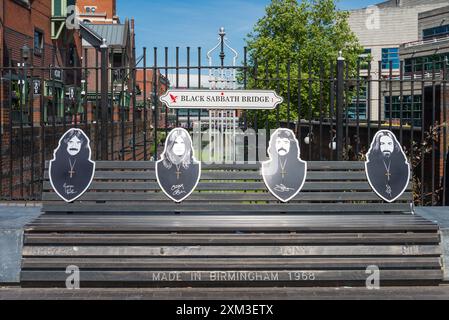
<point x="25" y="53"/>
<point x="340" y="106"/>
<point x="104" y="100"/>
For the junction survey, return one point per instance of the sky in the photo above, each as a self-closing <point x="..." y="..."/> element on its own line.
<point x="195" y="23"/>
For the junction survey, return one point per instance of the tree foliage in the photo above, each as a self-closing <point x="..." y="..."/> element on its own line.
<point x="300" y="42"/>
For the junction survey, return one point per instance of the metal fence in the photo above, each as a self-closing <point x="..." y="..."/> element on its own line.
<point x="334" y="107"/>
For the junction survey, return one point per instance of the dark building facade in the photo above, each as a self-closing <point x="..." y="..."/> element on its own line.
<point x="422" y="98"/>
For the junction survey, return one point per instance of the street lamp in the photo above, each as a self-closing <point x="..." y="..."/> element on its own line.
<point x="308" y="139"/>
<point x="25" y="52"/>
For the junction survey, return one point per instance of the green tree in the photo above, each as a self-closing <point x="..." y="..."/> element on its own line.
<point x="300" y="41"/>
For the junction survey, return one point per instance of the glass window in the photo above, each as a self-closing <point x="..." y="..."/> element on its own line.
<point x="436" y="32"/>
<point x="411" y="111"/>
<point x="38" y="42"/>
<point x="426" y="64"/>
<point x="54" y="108"/>
<point x="352" y="110"/>
<point x="390" y="55"/>
<point x="365" y="59"/>
<point x="357" y="107"/>
<point x="25" y="3"/>
<point x="20" y="112"/>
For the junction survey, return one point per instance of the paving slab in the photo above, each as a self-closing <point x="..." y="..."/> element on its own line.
<point x="13" y="218"/>
<point x="439" y="215"/>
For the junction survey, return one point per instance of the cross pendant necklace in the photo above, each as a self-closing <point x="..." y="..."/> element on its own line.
<point x="283" y="172"/>
<point x="387" y="174"/>
<point x="72" y="172"/>
<point x="177" y="171"/>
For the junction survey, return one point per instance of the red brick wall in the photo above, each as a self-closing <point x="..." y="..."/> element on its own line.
<point x="148" y="86"/>
<point x="103" y="6"/>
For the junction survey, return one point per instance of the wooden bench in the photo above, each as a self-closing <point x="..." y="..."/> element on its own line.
<point x="230" y="232"/>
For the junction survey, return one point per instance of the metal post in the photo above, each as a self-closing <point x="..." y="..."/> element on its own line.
<point x="339" y="111"/>
<point x="104" y="100"/>
<point x="222" y="34"/>
<point x="155" y="102"/>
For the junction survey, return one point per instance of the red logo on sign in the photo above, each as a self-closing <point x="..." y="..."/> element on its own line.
<point x="173" y="98"/>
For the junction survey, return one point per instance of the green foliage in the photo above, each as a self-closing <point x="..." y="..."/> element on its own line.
<point x="300" y="41"/>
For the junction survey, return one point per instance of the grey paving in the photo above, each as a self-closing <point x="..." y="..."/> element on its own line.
<point x="439" y="215"/>
<point x="13" y="217"/>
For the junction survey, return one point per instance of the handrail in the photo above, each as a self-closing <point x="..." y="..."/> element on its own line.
<point x="422" y="42"/>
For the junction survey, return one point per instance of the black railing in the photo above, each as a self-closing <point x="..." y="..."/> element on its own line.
<point x="335" y="109"/>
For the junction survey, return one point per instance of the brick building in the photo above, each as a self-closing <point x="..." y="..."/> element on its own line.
<point x="41" y="97"/>
<point x="145" y="89"/>
<point x="38" y="56"/>
<point x="428" y="58"/>
<point x="97" y="11"/>
<point x="48" y="66"/>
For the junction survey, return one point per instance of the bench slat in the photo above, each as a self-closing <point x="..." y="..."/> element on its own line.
<point x="217" y="238"/>
<point x="279" y="276"/>
<point x="222" y="186"/>
<point x="225" y="175"/>
<point x="228" y="196"/>
<point x="200" y="207"/>
<point x="312" y="165"/>
<point x="227" y="263"/>
<point x="242" y="251"/>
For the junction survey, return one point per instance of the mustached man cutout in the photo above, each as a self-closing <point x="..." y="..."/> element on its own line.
<point x="284" y="173"/>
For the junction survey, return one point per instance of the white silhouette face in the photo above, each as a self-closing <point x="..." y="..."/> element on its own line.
<point x="74" y="146"/>
<point x="386" y="146"/>
<point x="282" y="146"/>
<point x="179" y="147"/>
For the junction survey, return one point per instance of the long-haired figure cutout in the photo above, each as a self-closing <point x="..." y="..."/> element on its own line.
<point x="178" y="172"/>
<point x="71" y="170"/>
<point x="284" y="173"/>
<point x="386" y="166"/>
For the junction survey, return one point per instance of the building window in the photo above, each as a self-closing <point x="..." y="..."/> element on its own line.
<point x="71" y="55"/>
<point x="25" y="3"/>
<point x="427" y="64"/>
<point x="352" y="110"/>
<point x="411" y="111"/>
<point x="38" y="42"/>
<point x="365" y="59"/>
<point x="54" y="107"/>
<point x="390" y="55"/>
<point x="20" y="113"/>
<point x="357" y="107"/>
<point x="90" y="9"/>
<point x="436" y="32"/>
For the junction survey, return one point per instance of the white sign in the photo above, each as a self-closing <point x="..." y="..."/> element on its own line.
<point x="221" y="99"/>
